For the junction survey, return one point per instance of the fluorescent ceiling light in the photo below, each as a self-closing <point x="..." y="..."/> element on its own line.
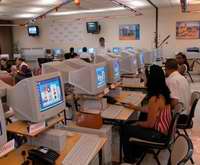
<point x="194" y="1"/>
<point x="47" y="2"/>
<point x="137" y="3"/>
<point x="25" y="15"/>
<point x="35" y="9"/>
<point x="87" y="11"/>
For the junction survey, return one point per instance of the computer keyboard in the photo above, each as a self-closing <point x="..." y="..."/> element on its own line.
<point x="83" y="151"/>
<point x="134" y="97"/>
<point x="112" y="111"/>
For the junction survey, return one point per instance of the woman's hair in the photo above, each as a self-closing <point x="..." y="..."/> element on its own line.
<point x="185" y="59"/>
<point x="156" y="84"/>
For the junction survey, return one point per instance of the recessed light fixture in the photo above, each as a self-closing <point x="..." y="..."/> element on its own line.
<point x="137" y="3"/>
<point x="87" y="11"/>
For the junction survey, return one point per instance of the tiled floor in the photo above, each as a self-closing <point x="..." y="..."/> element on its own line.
<point x="194" y="134"/>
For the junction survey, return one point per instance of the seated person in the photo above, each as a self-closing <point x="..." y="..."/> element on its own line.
<point x="4" y="65"/>
<point x="158" y="120"/>
<point x="85" y="55"/>
<point x="183" y="65"/>
<point x="71" y="54"/>
<point x="22" y="70"/>
<point x="178" y="85"/>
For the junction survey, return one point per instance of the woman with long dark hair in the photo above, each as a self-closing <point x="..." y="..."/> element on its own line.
<point x="183" y="65"/>
<point x="158" y="119"/>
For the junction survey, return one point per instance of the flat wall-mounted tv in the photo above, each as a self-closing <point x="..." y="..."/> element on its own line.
<point x="33" y="31"/>
<point x="93" y="27"/>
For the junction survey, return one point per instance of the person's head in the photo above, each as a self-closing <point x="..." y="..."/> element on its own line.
<point x="3" y="61"/>
<point x="71" y="50"/>
<point x="19" y="61"/>
<point x="102" y="42"/>
<point x="170" y="66"/>
<point x="156" y="84"/>
<point x="84" y="49"/>
<point x="182" y="59"/>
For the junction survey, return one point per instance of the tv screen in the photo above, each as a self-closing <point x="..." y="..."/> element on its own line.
<point x="116" y="67"/>
<point x="116" y="50"/>
<point x="101" y="76"/>
<point x="33" y="31"/>
<point x="93" y="27"/>
<point x="50" y="92"/>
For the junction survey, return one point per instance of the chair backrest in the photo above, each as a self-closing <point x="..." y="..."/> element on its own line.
<point x="172" y="128"/>
<point x="182" y="150"/>
<point x="179" y="107"/>
<point x="195" y="96"/>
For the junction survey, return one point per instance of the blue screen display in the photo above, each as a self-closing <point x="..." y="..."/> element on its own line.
<point x="142" y="58"/>
<point x="101" y="76"/>
<point x="50" y="92"/>
<point x="116" y="50"/>
<point x="57" y="51"/>
<point x="116" y="67"/>
<point x="129" y="48"/>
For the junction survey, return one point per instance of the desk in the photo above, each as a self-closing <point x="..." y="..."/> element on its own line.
<point x="20" y="127"/>
<point x="133" y="86"/>
<point x="15" y="157"/>
<point x="124" y="115"/>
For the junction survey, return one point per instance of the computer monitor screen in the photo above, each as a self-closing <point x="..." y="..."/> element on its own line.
<point x="57" y="51"/>
<point x="116" y="66"/>
<point x="129" y="48"/>
<point x="79" y="50"/>
<point x="100" y="76"/>
<point x="116" y="50"/>
<point x="50" y="93"/>
<point x="91" y="50"/>
<point x="142" y="58"/>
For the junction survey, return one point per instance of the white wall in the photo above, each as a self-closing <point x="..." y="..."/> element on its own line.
<point x="68" y="31"/>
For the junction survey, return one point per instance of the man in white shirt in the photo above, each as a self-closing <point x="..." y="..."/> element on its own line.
<point x="85" y="55"/>
<point x="101" y="50"/>
<point x="178" y="85"/>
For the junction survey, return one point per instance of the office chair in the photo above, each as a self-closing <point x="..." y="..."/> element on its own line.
<point x="186" y="121"/>
<point x="155" y="147"/>
<point x="182" y="151"/>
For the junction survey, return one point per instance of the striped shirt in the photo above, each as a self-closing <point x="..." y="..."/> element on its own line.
<point x="163" y="121"/>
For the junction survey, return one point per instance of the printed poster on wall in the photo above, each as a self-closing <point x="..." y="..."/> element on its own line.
<point x="188" y="30"/>
<point x="129" y="32"/>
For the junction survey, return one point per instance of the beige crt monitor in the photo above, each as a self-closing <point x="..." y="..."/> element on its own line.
<point x="91" y="79"/>
<point x="37" y="98"/>
<point x="61" y="67"/>
<point x="113" y="66"/>
<point x="3" y="135"/>
<point x="128" y="63"/>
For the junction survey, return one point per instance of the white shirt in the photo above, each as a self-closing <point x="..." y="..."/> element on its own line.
<point x="180" y="89"/>
<point x="101" y="51"/>
<point x="85" y="55"/>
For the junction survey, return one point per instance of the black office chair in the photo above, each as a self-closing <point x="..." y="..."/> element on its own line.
<point x="181" y="151"/>
<point x="155" y="147"/>
<point x="186" y="121"/>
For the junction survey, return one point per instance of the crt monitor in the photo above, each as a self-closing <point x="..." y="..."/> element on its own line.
<point x="140" y="59"/>
<point x="113" y="67"/>
<point x="37" y="98"/>
<point x="116" y="50"/>
<point x="93" y="27"/>
<point x="3" y="135"/>
<point x="91" y="79"/>
<point x="58" y="52"/>
<point x="91" y="50"/>
<point x="33" y="30"/>
<point x="128" y="63"/>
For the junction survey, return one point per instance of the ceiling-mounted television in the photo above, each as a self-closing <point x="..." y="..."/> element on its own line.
<point x="93" y="27"/>
<point x="33" y="31"/>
